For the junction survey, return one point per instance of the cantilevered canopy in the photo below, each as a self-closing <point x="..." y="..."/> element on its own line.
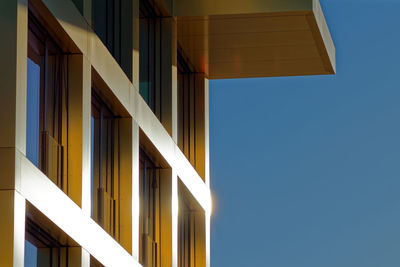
<point x="255" y="38"/>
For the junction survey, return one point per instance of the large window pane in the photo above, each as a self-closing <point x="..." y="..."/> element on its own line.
<point x="32" y="112"/>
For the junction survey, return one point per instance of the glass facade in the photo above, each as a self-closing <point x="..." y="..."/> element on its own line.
<point x="94" y="156"/>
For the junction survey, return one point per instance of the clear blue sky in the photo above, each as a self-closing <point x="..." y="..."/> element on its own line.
<point x="306" y="170"/>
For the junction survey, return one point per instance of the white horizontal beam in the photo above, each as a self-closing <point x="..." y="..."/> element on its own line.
<point x="70" y="218"/>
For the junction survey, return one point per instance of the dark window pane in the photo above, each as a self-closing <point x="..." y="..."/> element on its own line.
<point x="145" y="82"/>
<point x="107" y="18"/>
<point x="150" y="56"/>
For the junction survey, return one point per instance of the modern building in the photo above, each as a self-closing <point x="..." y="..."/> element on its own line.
<point x="104" y="145"/>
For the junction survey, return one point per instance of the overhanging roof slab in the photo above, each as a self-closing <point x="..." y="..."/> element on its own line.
<point x="255" y="38"/>
<point x="183" y="8"/>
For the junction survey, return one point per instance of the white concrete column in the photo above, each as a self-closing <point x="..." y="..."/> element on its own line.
<point x="135" y="191"/>
<point x="175" y="214"/>
<point x="85" y="258"/>
<point x="208" y="238"/>
<point x="135" y="43"/>
<point x="207" y="132"/>
<point x="207" y="167"/>
<point x="169" y="77"/>
<point x="86" y="98"/>
<point x="13" y="69"/>
<point x="12" y="229"/>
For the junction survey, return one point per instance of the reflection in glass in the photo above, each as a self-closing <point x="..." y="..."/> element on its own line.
<point x="30" y="255"/>
<point x="32" y="112"/>
<point x="105" y="173"/>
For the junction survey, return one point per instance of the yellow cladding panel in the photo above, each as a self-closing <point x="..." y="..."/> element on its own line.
<point x="184" y="8"/>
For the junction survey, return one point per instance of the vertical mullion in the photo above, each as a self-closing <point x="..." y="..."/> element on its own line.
<point x="157" y="67"/>
<point x="46" y="87"/>
<point x="151" y="64"/>
<point x="110" y="25"/>
<point x="116" y="176"/>
<point x="192" y="119"/>
<point x="100" y="167"/>
<point x="180" y="111"/>
<point x="117" y="30"/>
<point x="186" y="115"/>
<point x="145" y="197"/>
<point x="64" y="123"/>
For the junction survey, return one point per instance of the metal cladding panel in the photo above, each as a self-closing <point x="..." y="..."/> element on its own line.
<point x="183" y="8"/>
<point x="259" y="44"/>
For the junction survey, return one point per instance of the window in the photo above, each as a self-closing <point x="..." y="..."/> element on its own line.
<point x="107" y="24"/>
<point x="149" y="212"/>
<point x="191" y="231"/>
<point x="105" y="169"/>
<point x="191" y="113"/>
<point x="41" y="249"/>
<point x="150" y="56"/>
<point x="113" y="23"/>
<point x="46" y="136"/>
<point x="111" y="163"/>
<point x="185" y="236"/>
<point x="186" y="99"/>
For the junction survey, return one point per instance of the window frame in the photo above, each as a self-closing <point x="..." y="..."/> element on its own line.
<point x="44" y="51"/>
<point x="150" y="56"/>
<point x="48" y="248"/>
<point x="107" y="186"/>
<point x="186" y="107"/>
